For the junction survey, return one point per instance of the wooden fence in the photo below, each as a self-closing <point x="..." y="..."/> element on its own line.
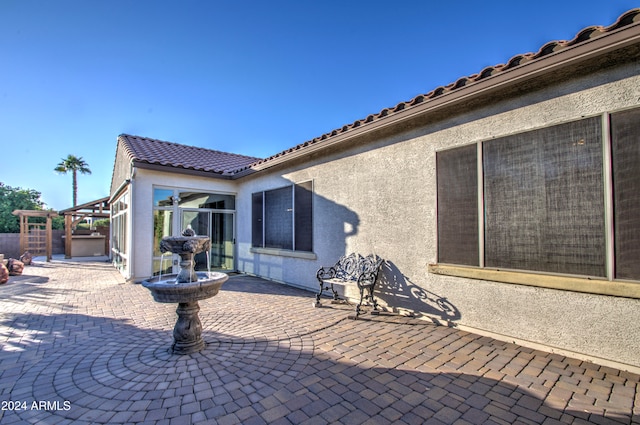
<point x="10" y="244"/>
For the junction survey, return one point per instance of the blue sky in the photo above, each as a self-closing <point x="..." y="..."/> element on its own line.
<point x="250" y="77"/>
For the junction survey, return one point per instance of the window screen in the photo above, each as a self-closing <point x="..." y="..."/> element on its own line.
<point x="257" y="239"/>
<point x="304" y="216"/>
<point x="457" y="173"/>
<point x="278" y="218"/>
<point x="544" y="200"/>
<point x="283" y="218"/>
<point x="625" y="149"/>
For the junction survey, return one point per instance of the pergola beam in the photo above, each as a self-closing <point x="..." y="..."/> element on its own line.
<point x="24" y="215"/>
<point x="72" y="216"/>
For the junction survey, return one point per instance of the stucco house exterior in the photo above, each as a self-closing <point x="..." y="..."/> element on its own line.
<point x="506" y="203"/>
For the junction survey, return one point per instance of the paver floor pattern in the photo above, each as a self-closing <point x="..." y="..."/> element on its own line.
<point x="79" y="345"/>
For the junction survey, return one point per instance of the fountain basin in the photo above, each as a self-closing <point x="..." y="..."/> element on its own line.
<point x="185" y="244"/>
<point x="186" y="288"/>
<point x="187" y="333"/>
<point x="167" y="291"/>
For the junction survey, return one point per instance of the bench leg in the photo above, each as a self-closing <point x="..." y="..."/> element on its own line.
<point x="360" y="303"/>
<point x="324" y="287"/>
<point x="317" y="302"/>
<point x="372" y="298"/>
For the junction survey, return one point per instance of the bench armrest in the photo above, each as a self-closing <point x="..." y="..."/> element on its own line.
<point x="326" y="273"/>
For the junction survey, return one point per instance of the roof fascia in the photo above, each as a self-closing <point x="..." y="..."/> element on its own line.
<point x="125" y="183"/>
<point x="187" y="171"/>
<point x="571" y="55"/>
<point x="93" y="205"/>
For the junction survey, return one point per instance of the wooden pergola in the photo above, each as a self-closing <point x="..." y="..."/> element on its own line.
<point x="72" y="216"/>
<point x="35" y="237"/>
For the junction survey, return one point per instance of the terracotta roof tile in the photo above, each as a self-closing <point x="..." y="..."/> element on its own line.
<point x="589" y="33"/>
<point x="152" y="151"/>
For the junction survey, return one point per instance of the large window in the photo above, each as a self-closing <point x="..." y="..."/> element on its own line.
<point x="544" y="200"/>
<point x="119" y="225"/>
<point x="207" y="214"/>
<point x="282" y="218"/>
<point x="543" y="197"/>
<point x="625" y="139"/>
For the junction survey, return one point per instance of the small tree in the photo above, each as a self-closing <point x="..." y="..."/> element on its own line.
<point x="12" y="199"/>
<point x="74" y="164"/>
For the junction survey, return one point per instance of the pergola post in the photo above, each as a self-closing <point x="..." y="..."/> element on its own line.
<point x="23" y="233"/>
<point x="68" y="224"/>
<point x="49" y="239"/>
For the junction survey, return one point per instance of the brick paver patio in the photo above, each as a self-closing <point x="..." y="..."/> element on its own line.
<point x="78" y="345"/>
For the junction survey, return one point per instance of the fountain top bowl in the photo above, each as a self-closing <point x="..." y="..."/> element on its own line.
<point x="185" y="244"/>
<point x="165" y="290"/>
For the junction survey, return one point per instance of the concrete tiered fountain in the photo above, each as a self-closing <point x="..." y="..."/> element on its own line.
<point x="186" y="288"/>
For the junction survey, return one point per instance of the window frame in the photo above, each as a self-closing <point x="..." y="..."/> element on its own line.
<point x="174" y="206"/>
<point x="607" y="285"/>
<point x="543" y="196"/>
<point x="259" y="237"/>
<point x="120" y="232"/>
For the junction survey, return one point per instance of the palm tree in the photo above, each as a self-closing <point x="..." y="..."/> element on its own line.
<point x="74" y="164"/>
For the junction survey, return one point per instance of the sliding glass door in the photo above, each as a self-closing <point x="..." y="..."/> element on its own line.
<point x="222" y="241"/>
<point x="208" y="214"/>
<point x="219" y="227"/>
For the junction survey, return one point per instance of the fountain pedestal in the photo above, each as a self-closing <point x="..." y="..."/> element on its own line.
<point x="186" y="288"/>
<point x="187" y="334"/>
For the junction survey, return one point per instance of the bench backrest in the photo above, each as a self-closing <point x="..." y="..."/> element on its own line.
<point x="350" y="267"/>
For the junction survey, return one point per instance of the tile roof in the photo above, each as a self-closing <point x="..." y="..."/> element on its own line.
<point x="587" y="34"/>
<point x="158" y="152"/>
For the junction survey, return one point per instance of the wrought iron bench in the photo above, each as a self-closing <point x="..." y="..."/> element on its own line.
<point x="363" y="271"/>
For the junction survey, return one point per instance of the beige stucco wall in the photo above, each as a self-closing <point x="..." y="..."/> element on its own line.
<point x="380" y="196"/>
